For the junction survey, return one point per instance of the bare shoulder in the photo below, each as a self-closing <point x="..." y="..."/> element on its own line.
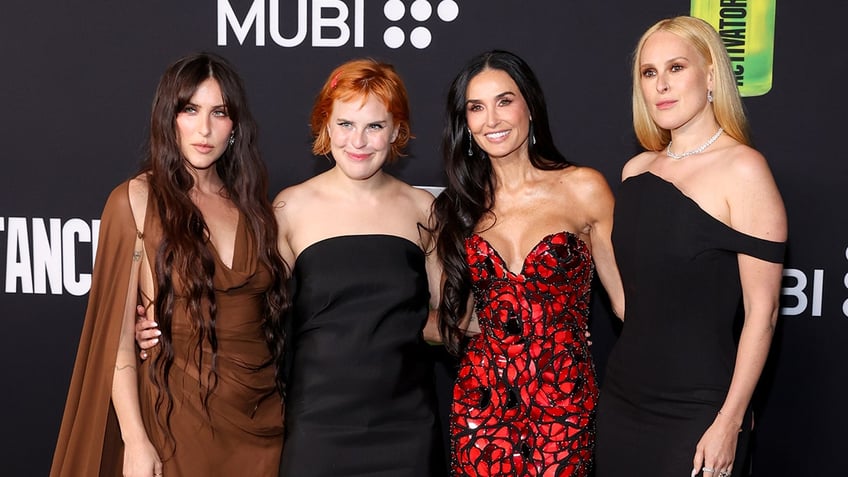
<point x="638" y="164"/>
<point x="756" y="207"/>
<point x="423" y="199"/>
<point x="747" y="164"/>
<point x="419" y="199"/>
<point x="296" y="197"/>
<point x="744" y="172"/>
<point x="291" y="193"/>
<point x="585" y="182"/>
<point x="138" y="189"/>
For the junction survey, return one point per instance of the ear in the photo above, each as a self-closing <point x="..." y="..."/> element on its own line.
<point x="395" y="132"/>
<point x="710" y="76"/>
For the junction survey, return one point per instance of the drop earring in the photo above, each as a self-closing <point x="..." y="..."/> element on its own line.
<point x="232" y="139"/>
<point x="532" y="134"/>
<point x="470" y="143"/>
<point x="710" y="95"/>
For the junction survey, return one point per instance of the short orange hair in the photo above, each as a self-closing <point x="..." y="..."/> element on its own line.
<point x="358" y="79"/>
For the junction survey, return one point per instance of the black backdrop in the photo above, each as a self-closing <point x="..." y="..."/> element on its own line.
<point x="77" y="81"/>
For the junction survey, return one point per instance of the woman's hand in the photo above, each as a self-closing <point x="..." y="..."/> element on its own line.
<point x="141" y="460"/>
<point x="146" y="332"/>
<point x="717" y="449"/>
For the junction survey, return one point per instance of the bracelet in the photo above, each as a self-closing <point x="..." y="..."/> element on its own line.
<point x="720" y="414"/>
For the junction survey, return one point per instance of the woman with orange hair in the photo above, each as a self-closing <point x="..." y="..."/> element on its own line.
<point x="360" y="397"/>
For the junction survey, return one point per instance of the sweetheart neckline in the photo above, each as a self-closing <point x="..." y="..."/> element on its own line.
<point x="533" y="251"/>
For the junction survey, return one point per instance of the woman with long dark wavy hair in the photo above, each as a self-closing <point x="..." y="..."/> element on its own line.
<point x="519" y="228"/>
<point x="207" y="402"/>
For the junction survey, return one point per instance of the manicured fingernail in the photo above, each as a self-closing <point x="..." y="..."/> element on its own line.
<point x="155" y="341"/>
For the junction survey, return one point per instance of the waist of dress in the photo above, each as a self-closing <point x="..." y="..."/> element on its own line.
<point x="511" y="342"/>
<point x="660" y="382"/>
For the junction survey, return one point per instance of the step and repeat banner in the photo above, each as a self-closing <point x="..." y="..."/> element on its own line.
<point x="77" y="83"/>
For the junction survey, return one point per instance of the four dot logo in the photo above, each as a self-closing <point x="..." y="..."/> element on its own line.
<point x="420" y="10"/>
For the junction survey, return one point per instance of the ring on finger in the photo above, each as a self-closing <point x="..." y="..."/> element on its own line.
<point x="724" y="473"/>
<point x="708" y="469"/>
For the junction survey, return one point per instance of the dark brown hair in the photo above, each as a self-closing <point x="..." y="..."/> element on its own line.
<point x="470" y="191"/>
<point x="183" y="259"/>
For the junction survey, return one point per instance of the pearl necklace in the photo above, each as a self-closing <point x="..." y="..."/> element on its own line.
<point x="699" y="150"/>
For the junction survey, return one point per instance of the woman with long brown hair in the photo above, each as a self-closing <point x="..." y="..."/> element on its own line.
<point x="207" y="401"/>
<point x="521" y="232"/>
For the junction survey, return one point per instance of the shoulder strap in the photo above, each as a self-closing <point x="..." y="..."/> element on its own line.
<point x="138" y="204"/>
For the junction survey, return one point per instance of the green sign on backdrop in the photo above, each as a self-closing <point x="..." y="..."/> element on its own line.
<point x="747" y="28"/>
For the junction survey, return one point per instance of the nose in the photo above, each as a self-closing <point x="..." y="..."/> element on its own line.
<point x="662" y="83"/>
<point x="359" y="139"/>
<point x="492" y="117"/>
<point x="205" y="126"/>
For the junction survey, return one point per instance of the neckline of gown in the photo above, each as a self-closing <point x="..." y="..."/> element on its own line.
<point x="352" y="236"/>
<point x="245" y="260"/>
<point x="697" y="206"/>
<point x="533" y="251"/>
<point x="234" y="267"/>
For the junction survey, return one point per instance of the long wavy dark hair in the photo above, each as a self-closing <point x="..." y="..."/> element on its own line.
<point x="183" y="257"/>
<point x="470" y="191"/>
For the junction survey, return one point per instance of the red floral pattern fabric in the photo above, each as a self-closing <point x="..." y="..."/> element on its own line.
<point x="525" y="395"/>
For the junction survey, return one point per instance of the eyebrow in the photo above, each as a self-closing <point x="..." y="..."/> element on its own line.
<point x="672" y="60"/>
<point x="216" y="106"/>
<point x="380" y="121"/>
<point x="500" y="96"/>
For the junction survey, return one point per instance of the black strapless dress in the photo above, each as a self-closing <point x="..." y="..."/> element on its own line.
<point x="670" y="369"/>
<point x="360" y="397"/>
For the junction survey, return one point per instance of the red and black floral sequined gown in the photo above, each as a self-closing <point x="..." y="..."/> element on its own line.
<point x="525" y="394"/>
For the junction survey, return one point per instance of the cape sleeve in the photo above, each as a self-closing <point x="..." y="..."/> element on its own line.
<point x="89" y="441"/>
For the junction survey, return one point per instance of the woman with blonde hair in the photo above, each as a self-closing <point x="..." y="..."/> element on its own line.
<point x="699" y="239"/>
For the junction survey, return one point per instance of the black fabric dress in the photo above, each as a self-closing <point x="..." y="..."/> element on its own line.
<point x="360" y="394"/>
<point x="671" y="368"/>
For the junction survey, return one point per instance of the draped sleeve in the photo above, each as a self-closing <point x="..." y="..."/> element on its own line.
<point x="89" y="441"/>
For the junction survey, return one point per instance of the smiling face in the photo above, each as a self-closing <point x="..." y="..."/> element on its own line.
<point x="674" y="80"/>
<point x="361" y="135"/>
<point x="204" y="126"/>
<point x="497" y="114"/>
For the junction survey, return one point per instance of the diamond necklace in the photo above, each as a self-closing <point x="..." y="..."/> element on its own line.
<point x="699" y="150"/>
